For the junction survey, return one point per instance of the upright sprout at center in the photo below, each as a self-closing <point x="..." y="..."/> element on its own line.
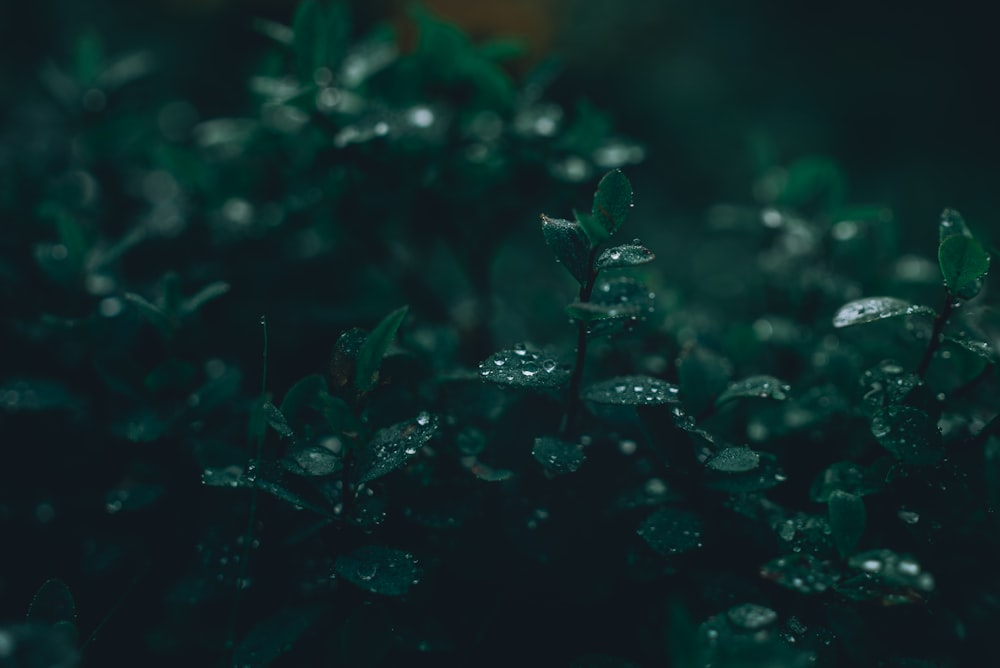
<point x="602" y="307"/>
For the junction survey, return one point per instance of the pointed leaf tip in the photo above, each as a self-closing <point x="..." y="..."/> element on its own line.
<point x="612" y="201"/>
<point x="870" y="309"/>
<point x="568" y="241"/>
<point x="963" y="262"/>
<point x="373" y="349"/>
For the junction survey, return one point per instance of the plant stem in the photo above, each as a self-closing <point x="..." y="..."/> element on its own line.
<point x="935" y="342"/>
<point x="576" y="380"/>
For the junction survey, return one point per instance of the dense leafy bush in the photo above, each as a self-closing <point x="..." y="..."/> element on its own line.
<point x="777" y="449"/>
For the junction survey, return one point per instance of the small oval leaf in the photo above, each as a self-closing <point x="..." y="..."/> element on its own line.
<point x="909" y="434"/>
<point x="389" y="448"/>
<point x="672" y="531"/>
<point x="51" y="604"/>
<point x="568" y="241"/>
<point x="952" y="224"/>
<point x="373" y="349"/>
<point x="380" y="570"/>
<point x="734" y="460"/>
<point x="626" y="255"/>
<point x="557" y="456"/>
<point x="847" y="520"/>
<point x="520" y="367"/>
<point x="871" y="309"/>
<point x="612" y="201"/>
<point x="763" y="387"/>
<point x="963" y="262"/>
<point x="632" y="391"/>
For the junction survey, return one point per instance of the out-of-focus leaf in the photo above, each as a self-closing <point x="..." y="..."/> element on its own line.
<point x="734" y="460"/>
<point x="277" y="420"/>
<point x="203" y="296"/>
<point x="672" y="531"/>
<point x="870" y="309"/>
<point x="704" y="375"/>
<point x="156" y="316"/>
<point x="952" y="224"/>
<point x="847" y="519"/>
<point x="763" y="387"/>
<point x="273" y="637"/>
<point x="557" y="456"/>
<point x="51" y="604"/>
<point x="373" y="349"/>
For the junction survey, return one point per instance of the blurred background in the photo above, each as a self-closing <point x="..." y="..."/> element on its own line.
<point x="902" y="97"/>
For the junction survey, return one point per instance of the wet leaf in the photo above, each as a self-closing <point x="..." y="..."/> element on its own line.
<point x="763" y="387"/>
<point x="672" y="531"/>
<point x="847" y="519"/>
<point x="569" y="243"/>
<point x="373" y="349"/>
<point x="274" y="636"/>
<point x="765" y="475"/>
<point x="734" y="460"/>
<point x="206" y="294"/>
<point x="952" y="224"/>
<point x="345" y="357"/>
<point x="300" y="397"/>
<point x="891" y="568"/>
<point x="870" y="309"/>
<point x="616" y="306"/>
<point x="520" y="367"/>
<point x="751" y="617"/>
<point x="626" y="255"/>
<point x="380" y="570"/>
<point x="981" y="348"/>
<point x="612" y="202"/>
<point x="631" y="391"/>
<point x="317" y="459"/>
<point x="161" y="321"/>
<point x="887" y="383"/>
<point x="851" y="478"/>
<point x="392" y="446"/>
<point x="963" y="262"/>
<point x="277" y="420"/>
<point x="557" y="456"/>
<point x="909" y="434"/>
<point x="801" y="572"/>
<point x="52" y="603"/>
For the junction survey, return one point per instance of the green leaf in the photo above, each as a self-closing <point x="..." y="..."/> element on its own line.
<point x="52" y="603"/>
<point x="317" y="459"/>
<point x="299" y="398"/>
<point x="616" y="306"/>
<point x="612" y="201"/>
<point x="626" y="255"/>
<point x="277" y="421"/>
<point x="380" y="570"/>
<point x="592" y="227"/>
<point x="153" y="314"/>
<point x="273" y="637"/>
<point x="763" y="387"/>
<point x="392" y="446"/>
<point x="801" y="572"/>
<point x="765" y="475"/>
<point x="672" y="531"/>
<point x="557" y="456"/>
<point x="870" y="309"/>
<point x="309" y="29"/>
<point x="847" y="519"/>
<point x="952" y="224"/>
<point x="734" y="460"/>
<point x="568" y="241"/>
<point x="963" y="262"/>
<point x="344" y="361"/>
<point x="203" y="296"/>
<point x="373" y="349"/>
<point x="520" y="367"/>
<point x="851" y="478"/>
<point x="631" y="391"/>
<point x="909" y="434"/>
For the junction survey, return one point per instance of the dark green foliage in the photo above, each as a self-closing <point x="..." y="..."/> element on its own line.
<point x="721" y="453"/>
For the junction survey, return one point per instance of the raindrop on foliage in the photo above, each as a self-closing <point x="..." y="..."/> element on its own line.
<point x="626" y="255"/>
<point x="380" y="570"/>
<point x="751" y="616"/>
<point x="389" y="448"/>
<point x="520" y="367"/>
<point x="557" y="456"/>
<point x="909" y="434"/>
<point x="763" y="387"/>
<point x="632" y="391"/>
<point x="887" y="383"/>
<point x="672" y="531"/>
<point x="870" y="309"/>
<point x="800" y="572"/>
<point x="734" y="460"/>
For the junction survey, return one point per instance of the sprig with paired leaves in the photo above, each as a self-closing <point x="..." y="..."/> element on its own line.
<point x="602" y="307"/>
